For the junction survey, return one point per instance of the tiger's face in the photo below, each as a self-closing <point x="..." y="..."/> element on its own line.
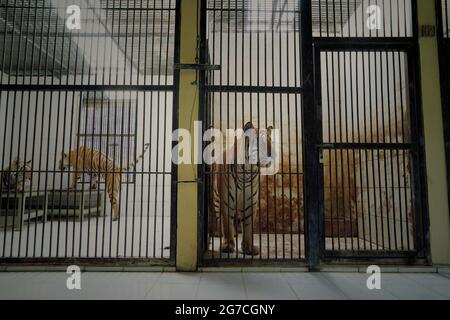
<point x="16" y="176"/>
<point x="64" y="163"/>
<point x="23" y="168"/>
<point x="258" y="145"/>
<point x="26" y="168"/>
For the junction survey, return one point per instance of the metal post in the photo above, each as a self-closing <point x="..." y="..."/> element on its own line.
<point x="186" y="259"/>
<point x="434" y="138"/>
<point x="311" y="161"/>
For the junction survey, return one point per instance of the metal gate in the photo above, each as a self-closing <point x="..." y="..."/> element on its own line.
<point x="87" y="93"/>
<point x="342" y="89"/>
<point x="443" y="33"/>
<point x="257" y="46"/>
<point x="370" y="150"/>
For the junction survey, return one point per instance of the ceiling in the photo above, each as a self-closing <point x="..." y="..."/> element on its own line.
<point x="36" y="41"/>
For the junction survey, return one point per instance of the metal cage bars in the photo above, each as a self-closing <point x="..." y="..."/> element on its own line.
<point x="122" y="56"/>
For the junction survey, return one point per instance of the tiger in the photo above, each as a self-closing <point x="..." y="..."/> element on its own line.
<point x="235" y="192"/>
<point x="93" y="162"/>
<point x="17" y="176"/>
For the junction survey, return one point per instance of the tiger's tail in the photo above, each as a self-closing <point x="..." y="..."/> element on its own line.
<point x="132" y="165"/>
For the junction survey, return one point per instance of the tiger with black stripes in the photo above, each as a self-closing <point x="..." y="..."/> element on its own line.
<point x="93" y="162"/>
<point x="235" y="189"/>
<point x="17" y="176"/>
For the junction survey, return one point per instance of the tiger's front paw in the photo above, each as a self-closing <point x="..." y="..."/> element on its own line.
<point x="253" y="251"/>
<point x="228" y="248"/>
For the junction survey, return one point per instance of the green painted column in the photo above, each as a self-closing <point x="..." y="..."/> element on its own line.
<point x="187" y="214"/>
<point x="434" y="138"/>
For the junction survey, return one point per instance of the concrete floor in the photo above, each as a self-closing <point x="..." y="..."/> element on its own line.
<point x="94" y="237"/>
<point x="235" y="286"/>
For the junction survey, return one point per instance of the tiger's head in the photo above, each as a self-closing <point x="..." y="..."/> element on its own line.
<point x="17" y="174"/>
<point x="64" y="163"/>
<point x="258" y="145"/>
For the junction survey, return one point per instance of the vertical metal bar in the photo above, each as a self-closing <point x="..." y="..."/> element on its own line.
<point x="310" y="138"/>
<point x="85" y="170"/>
<point x="35" y="124"/>
<point x="266" y="67"/>
<point x="354" y="138"/>
<point x="288" y="84"/>
<point x="282" y="153"/>
<point x="420" y="194"/>
<point x="239" y="224"/>
<point x="151" y="137"/>
<point x="334" y="152"/>
<point x="174" y="174"/>
<point x="258" y="70"/>
<point x="58" y="114"/>
<point x="157" y="139"/>
<point x="349" y="138"/>
<point x="4" y="133"/>
<point x="299" y="170"/>
<point x="47" y="172"/>
<point x="275" y="177"/>
<point x="20" y="118"/>
<point x="391" y="140"/>
<point x="144" y="110"/>
<point x="397" y="135"/>
<point x="12" y="133"/>
<point x="165" y="132"/>
<point x="366" y="140"/>
<point x="221" y="61"/>
<point x="377" y="171"/>
<point x="204" y="99"/>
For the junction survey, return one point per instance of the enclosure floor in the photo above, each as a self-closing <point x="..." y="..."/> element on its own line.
<point x="271" y="246"/>
<point x="94" y="237"/>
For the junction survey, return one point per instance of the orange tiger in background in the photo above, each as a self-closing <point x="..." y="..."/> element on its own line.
<point x="94" y="162"/>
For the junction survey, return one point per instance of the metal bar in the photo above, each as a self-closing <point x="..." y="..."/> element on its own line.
<point x="311" y="132"/>
<point x="71" y="87"/>
<point x="254" y="89"/>
<point x="200" y="66"/>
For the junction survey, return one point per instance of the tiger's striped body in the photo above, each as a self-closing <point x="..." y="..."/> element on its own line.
<point x="235" y="195"/>
<point x="96" y="163"/>
<point x="235" y="200"/>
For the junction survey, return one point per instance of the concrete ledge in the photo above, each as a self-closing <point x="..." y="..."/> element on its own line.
<point x="254" y="269"/>
<point x="103" y="269"/>
<point x="417" y="269"/>
<point x="443" y="269"/>
<point x="294" y="269"/>
<point x="144" y="269"/>
<point x="169" y="269"/>
<point x="337" y="268"/>
<point x="384" y="269"/>
<point x="36" y="268"/>
<point x="61" y="268"/>
<point x="261" y="269"/>
<point x="220" y="269"/>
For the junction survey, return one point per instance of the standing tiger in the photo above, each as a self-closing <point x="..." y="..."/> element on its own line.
<point x="94" y="162"/>
<point x="235" y="190"/>
<point x="16" y="176"/>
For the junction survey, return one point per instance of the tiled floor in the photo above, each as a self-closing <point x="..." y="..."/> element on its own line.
<point x="236" y="286"/>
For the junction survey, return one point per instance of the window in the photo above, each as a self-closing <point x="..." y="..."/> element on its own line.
<point x="109" y="126"/>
